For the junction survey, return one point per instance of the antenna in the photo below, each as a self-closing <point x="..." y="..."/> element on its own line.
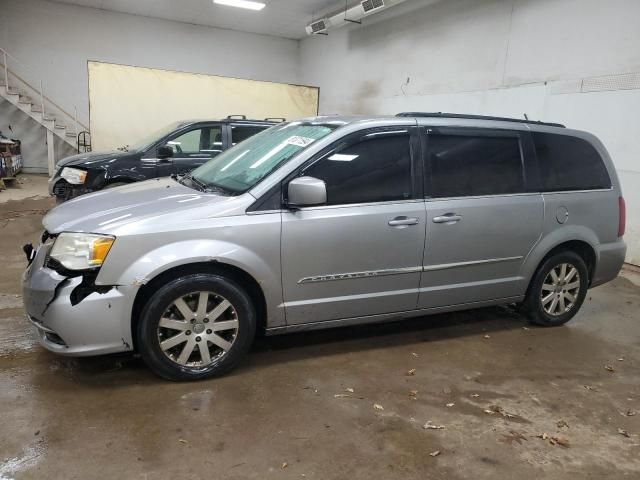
<point x="526" y="117"/>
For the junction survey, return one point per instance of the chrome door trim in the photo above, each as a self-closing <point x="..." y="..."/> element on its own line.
<point x="354" y="275"/>
<point x="445" y="266"/>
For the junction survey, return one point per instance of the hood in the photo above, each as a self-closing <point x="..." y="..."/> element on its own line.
<point x="160" y="203"/>
<point x="90" y="158"/>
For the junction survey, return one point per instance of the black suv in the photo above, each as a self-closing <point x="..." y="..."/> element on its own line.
<point x="176" y="149"/>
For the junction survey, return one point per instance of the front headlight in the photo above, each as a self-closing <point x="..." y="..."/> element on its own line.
<point x="74" y="175"/>
<point x="81" y="251"/>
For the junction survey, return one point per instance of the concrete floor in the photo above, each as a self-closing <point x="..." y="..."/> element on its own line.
<point x="289" y="412"/>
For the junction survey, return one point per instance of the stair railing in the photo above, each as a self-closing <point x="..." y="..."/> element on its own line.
<point x="43" y="100"/>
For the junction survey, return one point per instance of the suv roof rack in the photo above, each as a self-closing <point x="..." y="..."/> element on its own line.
<point x="475" y="117"/>
<point x="243" y="118"/>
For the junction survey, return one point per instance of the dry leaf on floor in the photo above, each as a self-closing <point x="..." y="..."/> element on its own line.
<point x="630" y="413"/>
<point x="590" y="388"/>
<point x="563" y="442"/>
<point x="377" y="406"/>
<point x="450" y="405"/>
<point x="498" y="409"/>
<point x="475" y="395"/>
<point x="183" y="441"/>
<point x="342" y="395"/>
<point x="513" y="436"/>
<point x="284" y="465"/>
<point x="609" y="368"/>
<point x="415" y="354"/>
<point x="621" y="359"/>
<point x="624" y="433"/>
<point x="487" y="336"/>
<point x="411" y="372"/>
<point x="350" y="390"/>
<point x="435" y="454"/>
<point x="562" y="423"/>
<point x="413" y="393"/>
<point x="543" y="436"/>
<point x="431" y="426"/>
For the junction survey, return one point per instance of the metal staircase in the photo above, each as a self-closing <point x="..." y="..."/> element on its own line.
<point x="29" y="97"/>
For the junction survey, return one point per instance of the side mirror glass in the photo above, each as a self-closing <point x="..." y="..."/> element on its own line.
<point x="307" y="192"/>
<point x="164" y="151"/>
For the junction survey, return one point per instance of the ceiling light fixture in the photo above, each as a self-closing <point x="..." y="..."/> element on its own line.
<point x="248" y="4"/>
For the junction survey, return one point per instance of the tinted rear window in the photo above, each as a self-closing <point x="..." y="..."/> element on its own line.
<point x="474" y="165"/>
<point x="569" y="163"/>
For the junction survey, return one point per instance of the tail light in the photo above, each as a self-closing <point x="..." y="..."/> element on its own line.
<point x="622" y="216"/>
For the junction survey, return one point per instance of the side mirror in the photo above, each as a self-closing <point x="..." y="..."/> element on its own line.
<point x="164" y="151"/>
<point x="307" y="192"/>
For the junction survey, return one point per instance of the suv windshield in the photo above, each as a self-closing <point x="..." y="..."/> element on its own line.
<point x="243" y="166"/>
<point x="152" y="138"/>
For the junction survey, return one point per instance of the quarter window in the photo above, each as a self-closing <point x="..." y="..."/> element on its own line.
<point x="474" y="165"/>
<point x="569" y="163"/>
<point x="376" y="169"/>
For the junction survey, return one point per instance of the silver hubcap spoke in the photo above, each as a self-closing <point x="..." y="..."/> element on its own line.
<point x="557" y="295"/>
<point x="198" y="329"/>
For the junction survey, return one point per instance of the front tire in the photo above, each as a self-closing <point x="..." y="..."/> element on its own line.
<point x="557" y="290"/>
<point x="195" y="327"/>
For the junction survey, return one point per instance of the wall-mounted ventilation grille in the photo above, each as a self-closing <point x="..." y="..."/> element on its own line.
<point x="369" y="5"/>
<point x="628" y="81"/>
<point x="318" y="26"/>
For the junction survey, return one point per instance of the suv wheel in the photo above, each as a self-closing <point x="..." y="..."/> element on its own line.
<point x="195" y="327"/>
<point x="557" y="290"/>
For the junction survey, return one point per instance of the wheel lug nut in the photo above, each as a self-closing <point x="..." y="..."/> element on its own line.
<point x="206" y="320"/>
<point x="209" y="332"/>
<point x="198" y="339"/>
<point x="193" y="320"/>
<point x="188" y="332"/>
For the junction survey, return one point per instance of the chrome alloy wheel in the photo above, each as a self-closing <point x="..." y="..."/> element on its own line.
<point x="560" y="289"/>
<point x="198" y="329"/>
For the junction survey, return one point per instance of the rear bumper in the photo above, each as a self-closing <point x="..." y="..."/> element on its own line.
<point x="98" y="324"/>
<point x="610" y="260"/>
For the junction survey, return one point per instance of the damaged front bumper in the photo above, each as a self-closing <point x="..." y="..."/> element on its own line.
<point x="92" y="323"/>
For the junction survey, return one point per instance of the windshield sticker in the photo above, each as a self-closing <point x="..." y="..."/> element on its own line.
<point x="300" y="141"/>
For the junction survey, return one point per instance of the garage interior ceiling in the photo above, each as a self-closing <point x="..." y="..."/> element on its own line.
<point x="280" y="18"/>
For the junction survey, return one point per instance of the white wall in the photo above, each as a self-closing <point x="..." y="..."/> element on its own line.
<point x="58" y="40"/>
<point x="496" y="57"/>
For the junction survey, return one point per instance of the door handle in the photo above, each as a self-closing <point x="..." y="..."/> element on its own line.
<point x="403" y="221"/>
<point x="447" y="218"/>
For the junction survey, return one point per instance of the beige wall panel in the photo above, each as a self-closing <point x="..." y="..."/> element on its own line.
<point x="127" y="103"/>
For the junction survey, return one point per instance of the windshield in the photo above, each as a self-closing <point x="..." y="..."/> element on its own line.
<point x="152" y="138"/>
<point x="243" y="166"/>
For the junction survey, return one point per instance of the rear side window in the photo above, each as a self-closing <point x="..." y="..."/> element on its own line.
<point x="474" y="165"/>
<point x="569" y="163"/>
<point x="376" y="169"/>
<point x="241" y="133"/>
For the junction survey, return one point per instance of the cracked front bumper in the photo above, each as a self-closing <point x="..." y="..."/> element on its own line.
<point x="99" y="324"/>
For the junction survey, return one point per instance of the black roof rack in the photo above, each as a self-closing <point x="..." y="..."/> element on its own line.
<point x="475" y="117"/>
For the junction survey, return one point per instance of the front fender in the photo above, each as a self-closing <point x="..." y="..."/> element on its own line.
<point x="264" y="267"/>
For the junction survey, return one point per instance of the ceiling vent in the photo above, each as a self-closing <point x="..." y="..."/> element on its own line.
<point x="353" y="14"/>
<point x="370" y="5"/>
<point x="317" y="27"/>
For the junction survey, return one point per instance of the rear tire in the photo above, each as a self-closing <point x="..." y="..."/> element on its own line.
<point x="195" y="327"/>
<point x="557" y="290"/>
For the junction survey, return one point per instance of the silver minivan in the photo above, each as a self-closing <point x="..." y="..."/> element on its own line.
<point x="324" y="222"/>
